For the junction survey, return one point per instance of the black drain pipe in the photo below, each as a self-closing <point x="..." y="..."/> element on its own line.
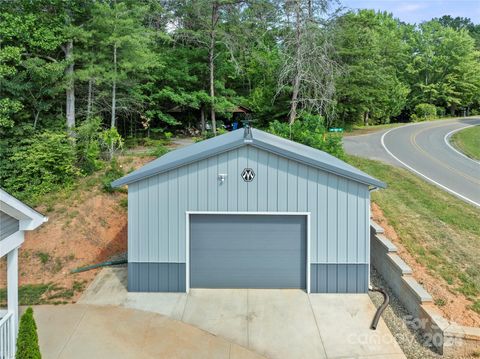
<point x="378" y="314"/>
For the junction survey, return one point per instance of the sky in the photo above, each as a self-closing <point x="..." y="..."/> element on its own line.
<point x="421" y="10"/>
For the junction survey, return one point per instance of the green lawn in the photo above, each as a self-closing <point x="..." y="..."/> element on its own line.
<point x="363" y="130"/>
<point x="468" y="141"/>
<point x="439" y="230"/>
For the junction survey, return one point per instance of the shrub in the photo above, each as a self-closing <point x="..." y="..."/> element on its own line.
<point x="88" y="145"/>
<point x="158" y="151"/>
<point x="40" y="164"/>
<point x="27" y="342"/>
<point x="111" y="142"/>
<point x="310" y="130"/>
<point x="424" y="112"/>
<point x="113" y="172"/>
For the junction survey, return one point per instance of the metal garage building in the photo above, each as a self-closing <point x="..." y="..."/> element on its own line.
<point x="248" y="209"/>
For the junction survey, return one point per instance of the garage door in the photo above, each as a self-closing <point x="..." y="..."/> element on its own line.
<point x="247" y="251"/>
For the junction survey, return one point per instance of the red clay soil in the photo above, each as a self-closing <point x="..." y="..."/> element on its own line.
<point x="456" y="306"/>
<point x="90" y="227"/>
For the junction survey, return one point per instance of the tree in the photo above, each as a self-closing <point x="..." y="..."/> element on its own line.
<point x="308" y="63"/>
<point x="371" y="48"/>
<point x="201" y="24"/>
<point x="459" y="23"/>
<point x="123" y="51"/>
<point x="444" y="69"/>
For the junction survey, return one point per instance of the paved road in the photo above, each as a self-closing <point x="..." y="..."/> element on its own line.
<point x="424" y="149"/>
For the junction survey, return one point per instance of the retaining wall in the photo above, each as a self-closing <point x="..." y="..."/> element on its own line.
<point x="448" y="337"/>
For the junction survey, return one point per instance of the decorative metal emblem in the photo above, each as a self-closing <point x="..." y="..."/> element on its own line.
<point x="248" y="175"/>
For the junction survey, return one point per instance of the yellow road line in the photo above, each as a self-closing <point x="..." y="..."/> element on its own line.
<point x="413" y="141"/>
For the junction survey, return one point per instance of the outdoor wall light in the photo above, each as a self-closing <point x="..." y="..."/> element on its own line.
<point x="221" y="177"/>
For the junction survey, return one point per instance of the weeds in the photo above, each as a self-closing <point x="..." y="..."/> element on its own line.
<point x="43" y="257"/>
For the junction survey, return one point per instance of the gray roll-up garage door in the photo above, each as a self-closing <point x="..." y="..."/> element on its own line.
<point x="247" y="251"/>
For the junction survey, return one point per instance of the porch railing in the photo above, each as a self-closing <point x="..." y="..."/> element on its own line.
<point x="7" y="333"/>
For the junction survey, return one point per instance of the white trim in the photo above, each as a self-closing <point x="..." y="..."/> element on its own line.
<point x="11" y="242"/>
<point x="29" y="219"/>
<point x="12" y="288"/>
<point x="421" y="174"/>
<point x="187" y="237"/>
<point x="446" y="139"/>
<point x="187" y="254"/>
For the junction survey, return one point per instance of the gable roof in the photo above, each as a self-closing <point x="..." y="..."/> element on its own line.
<point x="251" y="137"/>
<point x="28" y="217"/>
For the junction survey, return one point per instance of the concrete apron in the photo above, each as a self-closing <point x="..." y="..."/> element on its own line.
<point x="274" y="323"/>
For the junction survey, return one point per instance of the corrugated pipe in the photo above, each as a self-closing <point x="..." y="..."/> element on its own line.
<point x="380" y="310"/>
<point x="103" y="264"/>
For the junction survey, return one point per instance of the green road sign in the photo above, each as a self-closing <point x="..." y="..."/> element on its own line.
<point x="335" y="129"/>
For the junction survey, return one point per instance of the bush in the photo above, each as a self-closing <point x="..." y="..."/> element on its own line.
<point x="310" y="130"/>
<point x="88" y="145"/>
<point x="113" y="172"/>
<point x="27" y="342"/>
<point x="424" y="112"/>
<point x="41" y="164"/>
<point x="111" y="142"/>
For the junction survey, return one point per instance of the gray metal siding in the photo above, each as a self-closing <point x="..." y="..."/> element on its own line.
<point x="156" y="277"/>
<point x="245" y="251"/>
<point x="338" y="206"/>
<point x="8" y="225"/>
<point x="339" y="278"/>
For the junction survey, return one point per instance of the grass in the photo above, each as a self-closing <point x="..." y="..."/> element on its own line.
<point x="476" y="306"/>
<point x="468" y="142"/>
<point x="35" y="294"/>
<point x="363" y="130"/>
<point x="43" y="257"/>
<point x="30" y="294"/>
<point x="439" y="230"/>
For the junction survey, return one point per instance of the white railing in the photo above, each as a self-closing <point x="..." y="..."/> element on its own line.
<point x="7" y="342"/>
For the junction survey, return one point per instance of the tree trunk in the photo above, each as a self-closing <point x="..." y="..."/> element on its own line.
<point x="202" y="118"/>
<point x="293" y="107"/>
<point x="90" y="98"/>
<point x="70" y="92"/>
<point x="365" y="118"/>
<point x="36" y="116"/>
<point x="211" y="58"/>
<point x="296" y="80"/>
<point x="114" y="86"/>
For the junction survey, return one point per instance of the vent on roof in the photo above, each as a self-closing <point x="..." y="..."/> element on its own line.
<point x="247" y="135"/>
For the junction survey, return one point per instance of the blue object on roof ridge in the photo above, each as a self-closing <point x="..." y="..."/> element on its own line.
<point x="257" y="138"/>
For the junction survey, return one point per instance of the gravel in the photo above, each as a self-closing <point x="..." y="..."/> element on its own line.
<point x="410" y="338"/>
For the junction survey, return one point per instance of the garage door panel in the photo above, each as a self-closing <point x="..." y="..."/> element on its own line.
<point x="248" y="251"/>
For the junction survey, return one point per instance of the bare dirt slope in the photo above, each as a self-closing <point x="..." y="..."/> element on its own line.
<point x="85" y="226"/>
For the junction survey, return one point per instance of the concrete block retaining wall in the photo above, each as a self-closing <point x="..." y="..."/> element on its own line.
<point x="448" y="337"/>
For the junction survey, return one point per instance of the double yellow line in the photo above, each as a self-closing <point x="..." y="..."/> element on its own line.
<point x="413" y="141"/>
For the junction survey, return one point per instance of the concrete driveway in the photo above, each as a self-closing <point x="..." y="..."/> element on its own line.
<point x="274" y="323"/>
<point x="79" y="331"/>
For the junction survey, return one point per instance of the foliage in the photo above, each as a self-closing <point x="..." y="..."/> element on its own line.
<point x="88" y="145"/>
<point x="424" y="112"/>
<point x="147" y="68"/>
<point x="27" y="341"/>
<point x="111" y="142"/>
<point x="373" y="52"/>
<point x="444" y="67"/>
<point x="113" y="172"/>
<point x="310" y="131"/>
<point x="40" y="164"/>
